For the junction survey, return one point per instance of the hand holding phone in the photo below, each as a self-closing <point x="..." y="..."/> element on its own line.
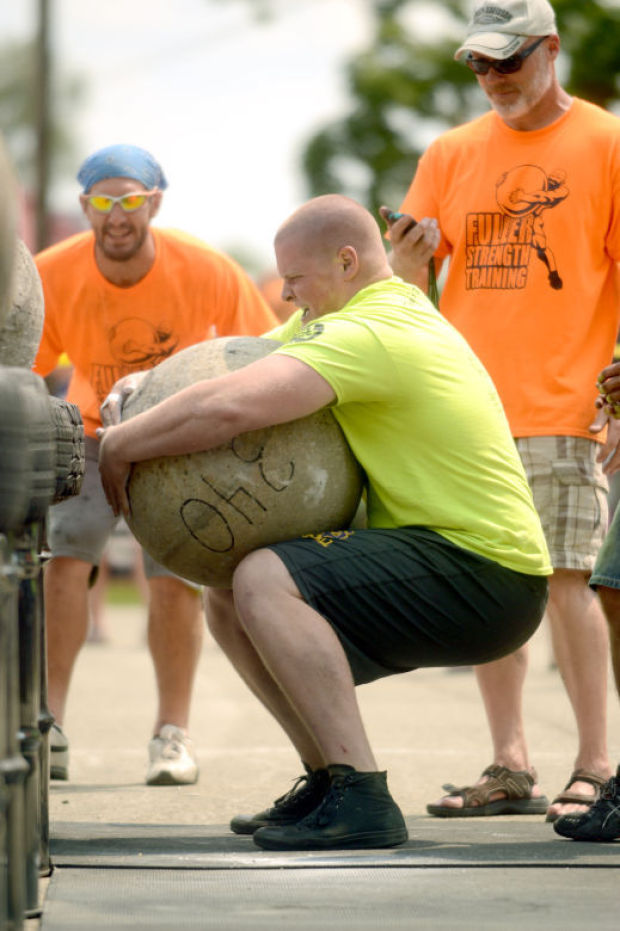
<point x="393" y="216"/>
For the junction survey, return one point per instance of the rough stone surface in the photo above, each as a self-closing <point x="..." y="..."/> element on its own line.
<point x="199" y="514"/>
<point x="20" y="332"/>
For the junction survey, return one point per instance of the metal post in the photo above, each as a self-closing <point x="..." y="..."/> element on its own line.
<point x="28" y="563"/>
<point x="46" y="718"/>
<point x="13" y="767"/>
<point x="42" y="102"/>
<point x="5" y="797"/>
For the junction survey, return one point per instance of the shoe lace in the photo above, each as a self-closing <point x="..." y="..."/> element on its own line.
<point x="298" y="787"/>
<point x="172" y="748"/>
<point x="328" y="807"/>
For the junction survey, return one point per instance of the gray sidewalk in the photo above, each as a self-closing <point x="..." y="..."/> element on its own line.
<point x="131" y="856"/>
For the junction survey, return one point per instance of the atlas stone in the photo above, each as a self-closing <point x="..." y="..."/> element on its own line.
<point x="8" y="226"/>
<point x="21" y="327"/>
<point x="199" y="514"/>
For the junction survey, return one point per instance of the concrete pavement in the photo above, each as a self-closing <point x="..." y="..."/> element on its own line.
<point x="131" y="856"/>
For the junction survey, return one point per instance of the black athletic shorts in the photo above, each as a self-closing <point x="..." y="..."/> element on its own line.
<point x="403" y="598"/>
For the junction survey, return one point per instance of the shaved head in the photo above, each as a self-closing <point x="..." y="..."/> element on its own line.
<point x="326" y="224"/>
<point x="326" y="252"/>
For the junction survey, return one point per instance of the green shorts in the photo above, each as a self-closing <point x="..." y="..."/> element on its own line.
<point x="403" y="598"/>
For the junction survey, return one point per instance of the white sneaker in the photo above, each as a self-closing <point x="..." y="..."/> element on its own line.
<point x="59" y="753"/>
<point x="171" y="758"/>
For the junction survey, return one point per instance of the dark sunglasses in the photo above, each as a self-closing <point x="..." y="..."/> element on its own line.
<point x="502" y="66"/>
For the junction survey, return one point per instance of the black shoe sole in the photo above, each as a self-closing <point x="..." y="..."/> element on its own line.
<point x="591" y="840"/>
<point x="239" y="825"/>
<point x="596" y="836"/>
<point x="366" y="840"/>
<point x="245" y="827"/>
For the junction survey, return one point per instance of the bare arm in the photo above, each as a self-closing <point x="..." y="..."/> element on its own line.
<point x="272" y="390"/>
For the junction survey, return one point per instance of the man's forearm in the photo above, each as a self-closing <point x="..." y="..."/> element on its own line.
<point x="414" y="273"/>
<point x="189" y="421"/>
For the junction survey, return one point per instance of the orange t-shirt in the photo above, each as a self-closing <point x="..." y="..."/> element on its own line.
<point x="531" y="224"/>
<point x="190" y="294"/>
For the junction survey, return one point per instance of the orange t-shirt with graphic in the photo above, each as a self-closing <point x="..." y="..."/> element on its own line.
<point x="531" y="224"/>
<point x="191" y="293"/>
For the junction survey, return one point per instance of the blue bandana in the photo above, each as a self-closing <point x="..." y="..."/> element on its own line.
<point x="122" y="161"/>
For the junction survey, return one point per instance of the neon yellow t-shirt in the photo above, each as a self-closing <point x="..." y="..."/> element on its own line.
<point x="423" y="418"/>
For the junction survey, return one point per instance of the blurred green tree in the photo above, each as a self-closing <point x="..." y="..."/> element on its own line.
<point x="406" y="88"/>
<point x="18" y="115"/>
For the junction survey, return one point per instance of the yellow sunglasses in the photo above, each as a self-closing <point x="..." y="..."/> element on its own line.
<point x="103" y="203"/>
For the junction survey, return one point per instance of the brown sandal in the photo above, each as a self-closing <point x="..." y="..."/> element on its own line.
<point x="515" y="784"/>
<point x="566" y="797"/>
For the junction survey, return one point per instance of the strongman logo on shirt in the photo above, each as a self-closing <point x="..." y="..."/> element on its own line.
<point x="310" y="331"/>
<point x="139" y="342"/>
<point x="135" y="344"/>
<point x="499" y="245"/>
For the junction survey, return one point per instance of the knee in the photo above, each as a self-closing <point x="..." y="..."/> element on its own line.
<point x="174" y="604"/>
<point x="258" y="578"/>
<point x="65" y="571"/>
<point x="565" y="582"/>
<point x="169" y="588"/>
<point x="247" y="575"/>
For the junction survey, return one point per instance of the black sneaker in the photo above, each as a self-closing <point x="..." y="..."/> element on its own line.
<point x="357" y="812"/>
<point x="601" y="822"/>
<point x="307" y="792"/>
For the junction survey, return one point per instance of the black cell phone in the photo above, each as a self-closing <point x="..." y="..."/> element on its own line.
<point x="394" y="215"/>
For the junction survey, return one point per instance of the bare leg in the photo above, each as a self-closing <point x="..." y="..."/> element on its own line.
<point x="304" y="657"/>
<point x="175" y="633"/>
<point x="610" y="598"/>
<point x="576" y="619"/>
<point x="96" y="601"/>
<point x="501" y="686"/>
<point x="224" y="625"/>
<point x="65" y="584"/>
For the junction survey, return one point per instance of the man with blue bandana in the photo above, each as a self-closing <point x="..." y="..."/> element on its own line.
<point x="120" y="298"/>
<point x="127" y="161"/>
